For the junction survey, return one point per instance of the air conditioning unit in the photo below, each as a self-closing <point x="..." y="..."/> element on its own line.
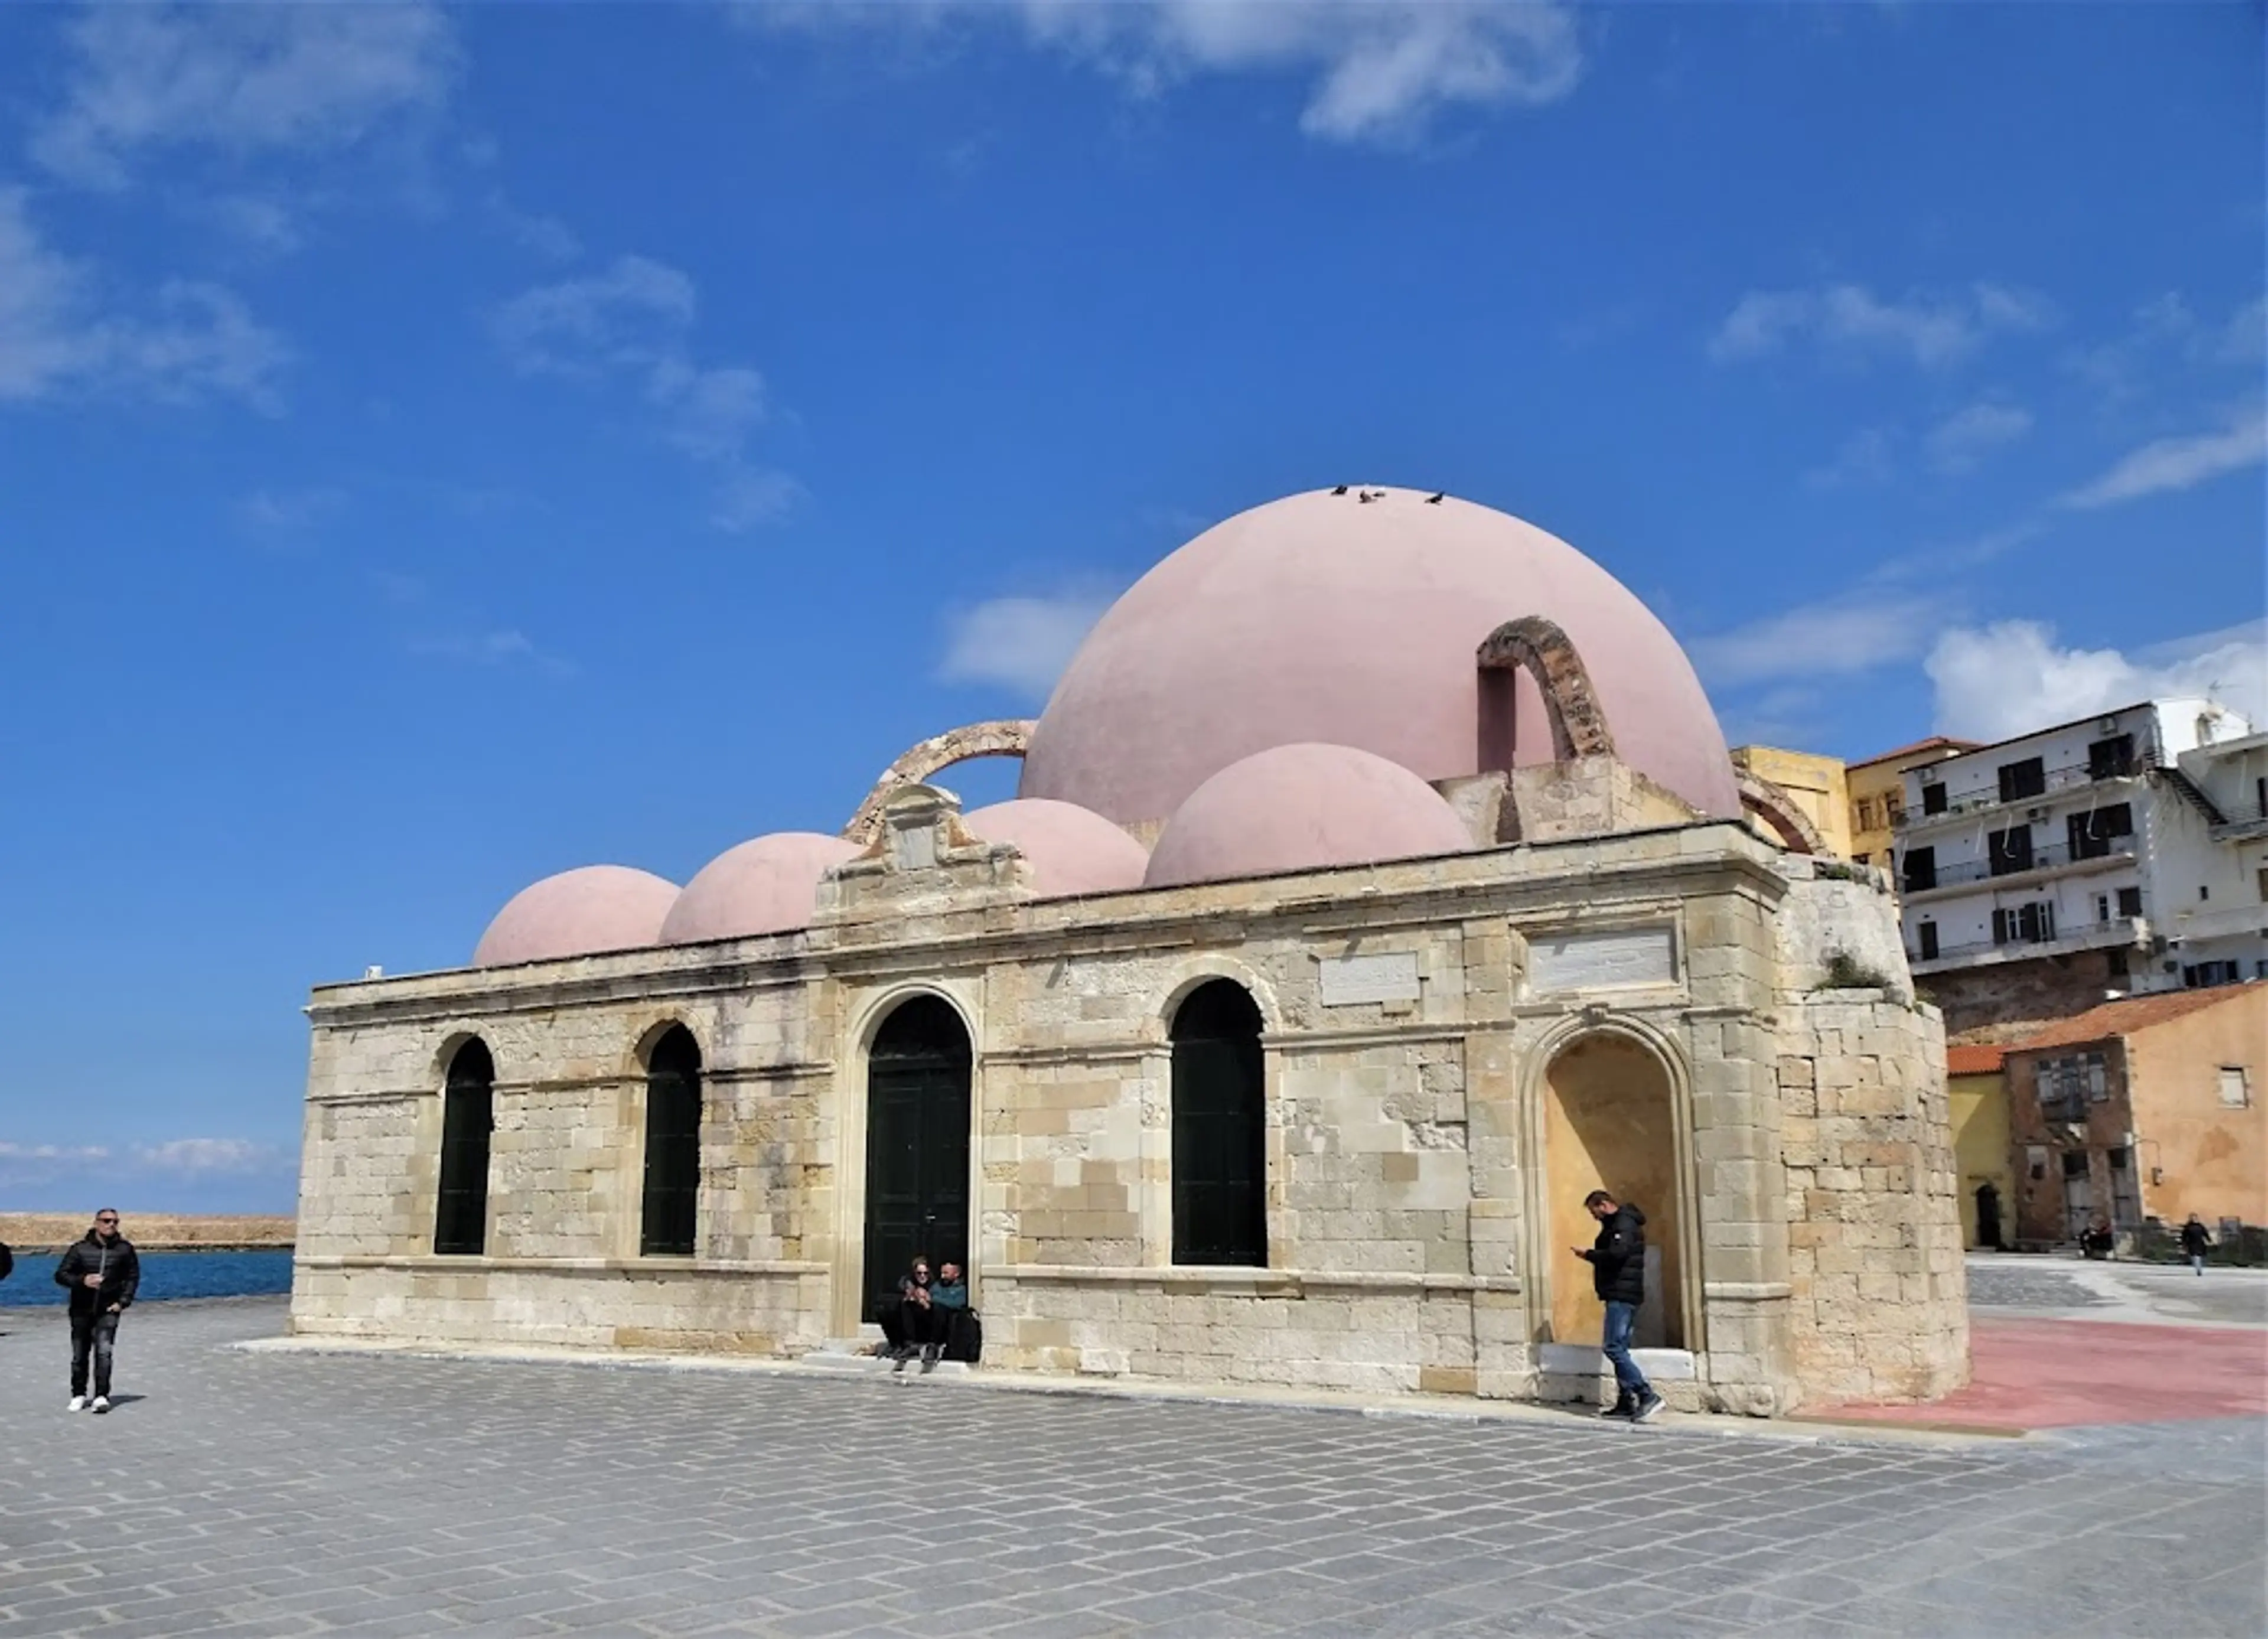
<point x="2035" y="814"/>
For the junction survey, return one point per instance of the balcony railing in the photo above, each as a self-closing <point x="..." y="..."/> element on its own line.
<point x="2042" y="859"/>
<point x="2055" y="780"/>
<point x="2116" y="929"/>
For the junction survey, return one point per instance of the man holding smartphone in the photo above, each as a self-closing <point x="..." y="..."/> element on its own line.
<point x="101" y="1274"/>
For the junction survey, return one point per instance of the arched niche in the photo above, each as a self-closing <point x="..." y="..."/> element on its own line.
<point x="1610" y="1123"/>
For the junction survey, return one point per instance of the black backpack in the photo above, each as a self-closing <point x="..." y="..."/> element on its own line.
<point x="964" y="1339"/>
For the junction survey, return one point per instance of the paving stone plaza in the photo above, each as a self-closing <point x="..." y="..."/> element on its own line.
<point x="245" y="1493"/>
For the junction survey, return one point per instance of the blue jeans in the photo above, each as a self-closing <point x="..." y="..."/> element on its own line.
<point x="1621" y="1320"/>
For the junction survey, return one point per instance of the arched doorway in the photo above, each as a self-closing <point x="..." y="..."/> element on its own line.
<point x="1220" y="1121"/>
<point x="1609" y="1123"/>
<point x="918" y="1099"/>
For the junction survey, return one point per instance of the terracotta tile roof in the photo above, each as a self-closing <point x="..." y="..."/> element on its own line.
<point x="1974" y="1061"/>
<point x="2136" y="1012"/>
<point x="1934" y="743"/>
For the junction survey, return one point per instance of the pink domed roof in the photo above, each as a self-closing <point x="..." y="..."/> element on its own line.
<point x="763" y="886"/>
<point x="1072" y="850"/>
<point x="1303" y="807"/>
<point x="1328" y="617"/>
<point x="598" y="907"/>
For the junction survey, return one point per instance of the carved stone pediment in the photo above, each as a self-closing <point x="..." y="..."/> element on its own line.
<point x="921" y="857"/>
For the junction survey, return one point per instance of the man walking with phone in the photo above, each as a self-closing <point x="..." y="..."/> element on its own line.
<point x="1617" y="1260"/>
<point x="101" y="1274"/>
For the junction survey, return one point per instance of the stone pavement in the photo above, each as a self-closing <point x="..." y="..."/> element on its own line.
<point x="244" y="1494"/>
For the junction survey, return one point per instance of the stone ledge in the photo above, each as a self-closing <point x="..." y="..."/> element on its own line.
<point x="1256" y="1283"/>
<point x="431" y="1263"/>
<point x="1584" y="1360"/>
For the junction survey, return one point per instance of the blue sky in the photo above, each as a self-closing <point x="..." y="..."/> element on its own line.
<point x="438" y="448"/>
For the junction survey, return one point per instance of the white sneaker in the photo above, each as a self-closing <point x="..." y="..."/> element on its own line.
<point x="101" y="1403"/>
<point x="79" y="1403"/>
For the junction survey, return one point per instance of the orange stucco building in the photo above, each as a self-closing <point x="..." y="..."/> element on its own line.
<point x="2149" y="1108"/>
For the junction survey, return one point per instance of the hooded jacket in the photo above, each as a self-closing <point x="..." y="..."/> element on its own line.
<point x="1618" y="1257"/>
<point x="113" y="1260"/>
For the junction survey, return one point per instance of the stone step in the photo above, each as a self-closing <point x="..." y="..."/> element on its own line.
<point x="841" y="1356"/>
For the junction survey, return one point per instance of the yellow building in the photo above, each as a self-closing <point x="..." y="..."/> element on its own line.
<point x="1810" y="784"/>
<point x="1976" y="1083"/>
<point x="1877" y="794"/>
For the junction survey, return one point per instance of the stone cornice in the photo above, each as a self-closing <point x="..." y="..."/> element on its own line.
<point x="1372" y="900"/>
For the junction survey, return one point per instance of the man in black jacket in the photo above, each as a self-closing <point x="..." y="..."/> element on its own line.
<point x="1617" y="1260"/>
<point x="101" y="1274"/>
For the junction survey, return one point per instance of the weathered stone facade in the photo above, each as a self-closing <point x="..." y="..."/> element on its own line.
<point x="1415" y="1016"/>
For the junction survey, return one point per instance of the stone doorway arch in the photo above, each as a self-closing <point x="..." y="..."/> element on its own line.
<point x="1610" y="1123"/>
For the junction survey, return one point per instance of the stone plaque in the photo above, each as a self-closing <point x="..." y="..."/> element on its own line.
<point x="1603" y="961"/>
<point x="1389" y="976"/>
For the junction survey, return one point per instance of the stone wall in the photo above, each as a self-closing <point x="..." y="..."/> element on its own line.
<point x="1411" y="1011"/>
<point x="2004" y="1002"/>
<point x="1879" y="1291"/>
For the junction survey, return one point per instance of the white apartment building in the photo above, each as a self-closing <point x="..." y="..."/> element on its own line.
<point x="2118" y="854"/>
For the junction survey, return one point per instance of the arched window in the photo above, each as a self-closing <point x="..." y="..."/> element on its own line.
<point x="460" y="1217"/>
<point x="672" y="1144"/>
<point x="1220" y="1167"/>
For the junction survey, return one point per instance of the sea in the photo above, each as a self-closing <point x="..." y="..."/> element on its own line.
<point x="165" y="1276"/>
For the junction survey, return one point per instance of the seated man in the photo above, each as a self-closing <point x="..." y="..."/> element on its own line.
<point x="948" y="1307"/>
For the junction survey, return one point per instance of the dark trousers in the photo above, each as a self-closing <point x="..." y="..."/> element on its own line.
<point x="93" y="1333"/>
<point x="907" y="1323"/>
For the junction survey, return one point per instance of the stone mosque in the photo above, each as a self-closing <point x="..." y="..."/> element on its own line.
<point x="1378" y="884"/>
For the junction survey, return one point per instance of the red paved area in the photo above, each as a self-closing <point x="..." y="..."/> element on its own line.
<point x="2046" y="1374"/>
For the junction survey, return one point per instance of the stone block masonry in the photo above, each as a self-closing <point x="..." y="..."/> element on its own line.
<point x="1412" y="1015"/>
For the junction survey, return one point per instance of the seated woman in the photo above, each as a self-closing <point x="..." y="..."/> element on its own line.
<point x="907" y="1320"/>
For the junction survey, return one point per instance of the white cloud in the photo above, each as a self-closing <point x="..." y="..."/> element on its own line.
<point x="261" y="223"/>
<point x="15" y="1153"/>
<point x="1024" y="642"/>
<point x="2011" y="677"/>
<point x="281" y="513"/>
<point x="197" y="340"/>
<point x="1863" y="458"/>
<point x="632" y="323"/>
<point x="1378" y="70"/>
<point x="1964" y="438"/>
<point x="196" y="1157"/>
<point x="2177" y="464"/>
<point x="1931" y="331"/>
<point x="239" y="79"/>
<point x="1829" y="639"/>
<point x="2165" y="334"/>
<point x="500" y="646"/>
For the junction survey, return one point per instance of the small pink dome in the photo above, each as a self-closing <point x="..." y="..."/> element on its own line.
<point x="763" y="886"/>
<point x="577" y="913"/>
<point x="1302" y="808"/>
<point x="1072" y="850"/>
<point x="1354" y="620"/>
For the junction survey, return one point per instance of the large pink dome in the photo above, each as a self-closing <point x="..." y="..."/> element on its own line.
<point x="1323" y="617"/>
<point x="1302" y="808"/>
<point x="768" y="886"/>
<point x="577" y="913"/>
<point x="1070" y="850"/>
